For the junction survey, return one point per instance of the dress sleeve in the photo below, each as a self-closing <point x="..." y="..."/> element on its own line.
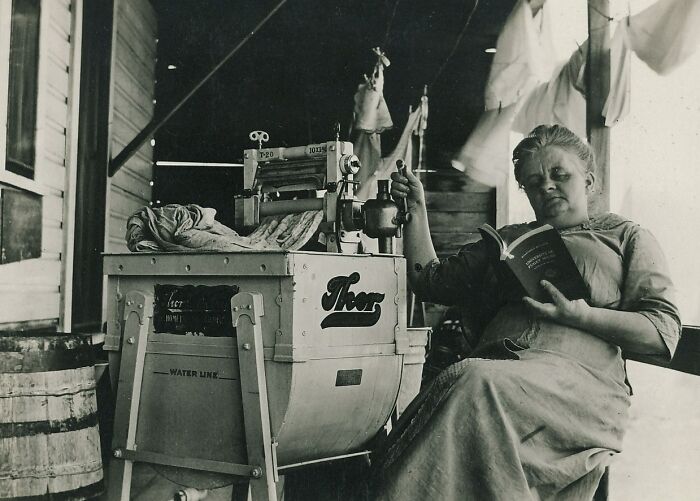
<point x="647" y="287"/>
<point x="449" y="281"/>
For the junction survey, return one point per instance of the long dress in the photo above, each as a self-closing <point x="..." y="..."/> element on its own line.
<point x="541" y="409"/>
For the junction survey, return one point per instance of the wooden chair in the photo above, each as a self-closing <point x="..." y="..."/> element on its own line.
<point x="687" y="356"/>
<point x="686" y="359"/>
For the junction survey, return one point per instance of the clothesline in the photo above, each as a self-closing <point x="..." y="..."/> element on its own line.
<point x="454" y="47"/>
<point x="389" y="23"/>
<point x="456" y="44"/>
<point x="591" y="6"/>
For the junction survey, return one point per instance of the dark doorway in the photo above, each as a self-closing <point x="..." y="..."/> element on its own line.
<point x="93" y="154"/>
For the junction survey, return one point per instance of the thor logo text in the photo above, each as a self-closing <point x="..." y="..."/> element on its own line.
<point x="350" y="309"/>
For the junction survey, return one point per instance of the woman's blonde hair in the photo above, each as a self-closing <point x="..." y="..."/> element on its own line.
<point x="552" y="135"/>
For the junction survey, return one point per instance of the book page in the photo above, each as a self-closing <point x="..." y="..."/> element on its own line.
<point x="488" y="230"/>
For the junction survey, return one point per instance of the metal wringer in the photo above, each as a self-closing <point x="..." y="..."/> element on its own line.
<point x="316" y="177"/>
<point x="234" y="367"/>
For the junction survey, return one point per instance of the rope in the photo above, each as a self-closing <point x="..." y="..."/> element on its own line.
<point x="610" y="19"/>
<point x="457" y="42"/>
<point x="389" y="23"/>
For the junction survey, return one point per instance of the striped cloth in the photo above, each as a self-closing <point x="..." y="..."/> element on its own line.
<point x="191" y="228"/>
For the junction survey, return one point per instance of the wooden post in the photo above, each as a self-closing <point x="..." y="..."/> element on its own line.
<point x="106" y="246"/>
<point x="65" y="314"/>
<point x="598" y="87"/>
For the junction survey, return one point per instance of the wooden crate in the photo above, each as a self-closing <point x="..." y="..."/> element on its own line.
<point x="457" y="206"/>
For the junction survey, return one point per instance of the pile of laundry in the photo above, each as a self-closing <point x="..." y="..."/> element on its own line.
<point x="191" y="228"/>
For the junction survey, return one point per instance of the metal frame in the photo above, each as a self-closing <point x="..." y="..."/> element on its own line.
<point x="137" y="315"/>
<point x="247" y="310"/>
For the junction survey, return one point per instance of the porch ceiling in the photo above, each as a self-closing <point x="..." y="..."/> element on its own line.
<point x="297" y="75"/>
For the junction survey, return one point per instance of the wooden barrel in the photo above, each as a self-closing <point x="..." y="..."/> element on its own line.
<point x="49" y="437"/>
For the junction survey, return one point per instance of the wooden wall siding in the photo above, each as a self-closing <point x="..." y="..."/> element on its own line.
<point x="133" y="91"/>
<point x="30" y="289"/>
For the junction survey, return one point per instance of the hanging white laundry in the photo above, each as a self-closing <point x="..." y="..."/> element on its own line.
<point x="370" y="118"/>
<point x="563" y="100"/>
<point x="525" y="56"/>
<point x="403" y="149"/>
<point x="368" y="148"/>
<point x="485" y="155"/>
<point x="559" y="101"/>
<point x="387" y="165"/>
<point x="371" y="111"/>
<point x="665" y="34"/>
<point x="617" y="105"/>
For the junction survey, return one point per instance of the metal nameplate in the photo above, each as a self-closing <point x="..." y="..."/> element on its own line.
<point x="196" y="310"/>
<point x="351" y="377"/>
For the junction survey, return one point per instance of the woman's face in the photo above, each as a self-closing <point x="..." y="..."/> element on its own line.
<point x="557" y="186"/>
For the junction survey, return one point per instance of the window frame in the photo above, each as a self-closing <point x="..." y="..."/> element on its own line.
<point x="7" y="177"/>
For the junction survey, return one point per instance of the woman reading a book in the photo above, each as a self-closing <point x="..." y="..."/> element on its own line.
<point x="540" y="407"/>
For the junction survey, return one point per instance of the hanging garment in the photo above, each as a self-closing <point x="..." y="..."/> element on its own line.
<point x="524" y="56"/>
<point x="370" y="118"/>
<point x="666" y="34"/>
<point x="191" y="228"/>
<point x="371" y="111"/>
<point x="416" y="124"/>
<point x="563" y="100"/>
<point x="387" y="165"/>
<point x="617" y="105"/>
<point x="559" y="101"/>
<point x="485" y="156"/>
<point x="368" y="148"/>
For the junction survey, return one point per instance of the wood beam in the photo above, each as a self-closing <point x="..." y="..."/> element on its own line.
<point x="70" y="193"/>
<point x="598" y="87"/>
<point x="155" y="124"/>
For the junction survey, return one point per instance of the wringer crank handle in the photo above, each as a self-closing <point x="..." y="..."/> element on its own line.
<point x="403" y="217"/>
<point x="260" y="136"/>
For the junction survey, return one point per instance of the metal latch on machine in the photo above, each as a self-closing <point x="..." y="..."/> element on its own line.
<point x="196" y="310"/>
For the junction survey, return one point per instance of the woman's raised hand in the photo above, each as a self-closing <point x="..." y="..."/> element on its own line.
<point x="417" y="246"/>
<point x="408" y="187"/>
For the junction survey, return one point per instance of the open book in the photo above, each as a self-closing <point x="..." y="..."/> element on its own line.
<point x="539" y="254"/>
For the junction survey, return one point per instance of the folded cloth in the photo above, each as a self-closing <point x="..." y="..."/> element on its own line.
<point x="188" y="228"/>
